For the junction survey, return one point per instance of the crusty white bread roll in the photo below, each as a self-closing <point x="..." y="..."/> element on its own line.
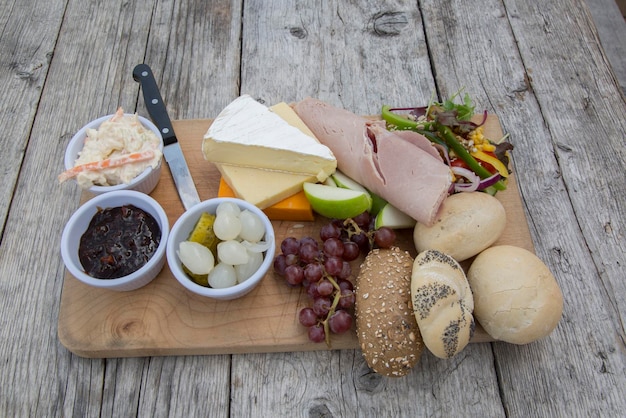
<point x="443" y="303"/>
<point x="466" y="224"/>
<point x="516" y="297"/>
<point x="385" y="324"/>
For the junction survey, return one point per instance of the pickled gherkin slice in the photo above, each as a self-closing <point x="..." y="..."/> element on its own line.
<point x="201" y="279"/>
<point x="203" y="233"/>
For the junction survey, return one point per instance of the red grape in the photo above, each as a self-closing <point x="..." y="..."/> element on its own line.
<point x="321" y="306"/>
<point x="340" y="321"/>
<point x="290" y="245"/>
<point x="333" y="265"/>
<point x="338" y="223"/>
<point x="362" y="241"/>
<point x="330" y="230"/>
<point x="345" y="284"/>
<point x="362" y="220"/>
<point x="294" y="275"/>
<point x="308" y="252"/>
<point x="280" y="264"/>
<point x="307" y="317"/>
<point x="384" y="237"/>
<point x="316" y="333"/>
<point x="291" y="259"/>
<point x="313" y="272"/>
<point x="312" y="291"/>
<point x="351" y="251"/>
<point x="346" y="271"/>
<point x="309" y="240"/>
<point x="325" y="288"/>
<point x="347" y="299"/>
<point x="333" y="247"/>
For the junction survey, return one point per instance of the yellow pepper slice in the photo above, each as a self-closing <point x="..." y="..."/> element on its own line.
<point x="495" y="163"/>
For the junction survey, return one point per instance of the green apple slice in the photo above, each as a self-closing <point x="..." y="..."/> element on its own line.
<point x="378" y="203"/>
<point x="392" y="217"/>
<point x="341" y="180"/>
<point x="330" y="182"/>
<point x="336" y="202"/>
<point x="346" y="182"/>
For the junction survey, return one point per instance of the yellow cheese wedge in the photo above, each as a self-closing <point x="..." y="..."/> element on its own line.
<point x="294" y="208"/>
<point x="285" y="111"/>
<point x="260" y="187"/>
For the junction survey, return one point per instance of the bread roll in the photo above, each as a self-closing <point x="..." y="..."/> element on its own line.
<point x="443" y="303"/>
<point x="516" y="297"/>
<point x="385" y="324"/>
<point x="466" y="224"/>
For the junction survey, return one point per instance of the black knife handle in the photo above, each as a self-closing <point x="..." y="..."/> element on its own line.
<point x="154" y="102"/>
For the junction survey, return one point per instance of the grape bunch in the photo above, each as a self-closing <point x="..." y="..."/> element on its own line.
<point x="324" y="271"/>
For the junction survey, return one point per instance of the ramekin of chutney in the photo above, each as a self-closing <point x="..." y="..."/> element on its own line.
<point x="116" y="240"/>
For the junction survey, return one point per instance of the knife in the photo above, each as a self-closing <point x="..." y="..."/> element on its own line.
<point x="171" y="148"/>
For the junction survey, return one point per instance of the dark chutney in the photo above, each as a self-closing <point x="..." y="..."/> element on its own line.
<point x="118" y="242"/>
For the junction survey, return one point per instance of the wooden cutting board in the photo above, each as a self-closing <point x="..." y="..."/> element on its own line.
<point x="163" y="318"/>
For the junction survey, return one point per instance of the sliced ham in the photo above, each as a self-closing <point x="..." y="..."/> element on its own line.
<point x="419" y="141"/>
<point x="401" y="167"/>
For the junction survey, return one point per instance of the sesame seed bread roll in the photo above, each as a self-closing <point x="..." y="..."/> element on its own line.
<point x="386" y="329"/>
<point x="443" y="303"/>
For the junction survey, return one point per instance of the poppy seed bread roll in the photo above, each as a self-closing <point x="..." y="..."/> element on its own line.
<point x="386" y="329"/>
<point x="443" y="303"/>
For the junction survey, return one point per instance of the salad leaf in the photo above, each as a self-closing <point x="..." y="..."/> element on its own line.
<point x="464" y="110"/>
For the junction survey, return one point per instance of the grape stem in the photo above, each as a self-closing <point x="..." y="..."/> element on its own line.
<point x="356" y="230"/>
<point x="331" y="311"/>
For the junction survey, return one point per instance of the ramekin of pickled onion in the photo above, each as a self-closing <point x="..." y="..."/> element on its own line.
<point x="184" y="226"/>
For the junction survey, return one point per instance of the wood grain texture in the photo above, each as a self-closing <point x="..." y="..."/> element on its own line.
<point x="608" y="16"/>
<point x="27" y="42"/>
<point x="194" y="50"/>
<point x="292" y="50"/>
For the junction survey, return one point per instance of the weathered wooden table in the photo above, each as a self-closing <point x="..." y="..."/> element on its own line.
<point x="537" y="65"/>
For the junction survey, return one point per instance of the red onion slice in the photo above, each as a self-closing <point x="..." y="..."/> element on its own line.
<point x="489" y="181"/>
<point x="473" y="179"/>
<point x="475" y="183"/>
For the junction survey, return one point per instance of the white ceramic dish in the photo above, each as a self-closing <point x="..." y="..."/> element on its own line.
<point x="79" y="221"/>
<point x="183" y="227"/>
<point x="144" y="182"/>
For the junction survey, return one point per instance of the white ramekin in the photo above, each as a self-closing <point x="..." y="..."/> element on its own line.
<point x="183" y="227"/>
<point x="79" y="221"/>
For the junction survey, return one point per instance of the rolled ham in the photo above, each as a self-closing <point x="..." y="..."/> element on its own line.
<point x="401" y="167"/>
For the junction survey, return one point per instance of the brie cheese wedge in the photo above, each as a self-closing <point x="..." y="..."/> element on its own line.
<point x="248" y="134"/>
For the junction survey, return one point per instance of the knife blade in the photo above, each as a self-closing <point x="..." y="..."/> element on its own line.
<point x="171" y="148"/>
